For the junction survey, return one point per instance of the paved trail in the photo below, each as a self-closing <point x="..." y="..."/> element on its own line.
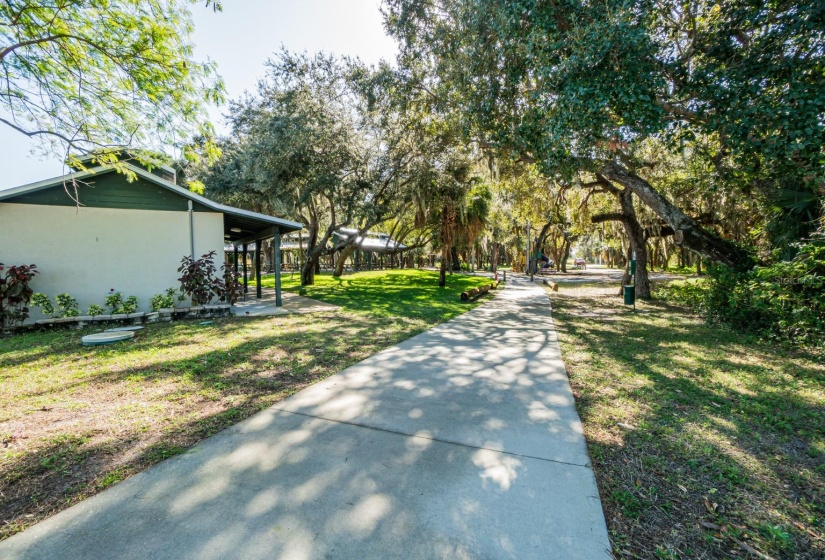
<point x="462" y="442"/>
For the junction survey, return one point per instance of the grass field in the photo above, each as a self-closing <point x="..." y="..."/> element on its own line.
<point x="706" y="443"/>
<point x="407" y="293"/>
<point x="75" y="420"/>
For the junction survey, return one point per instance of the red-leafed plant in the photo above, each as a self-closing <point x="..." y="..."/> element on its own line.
<point x="198" y="280"/>
<point x="15" y="294"/>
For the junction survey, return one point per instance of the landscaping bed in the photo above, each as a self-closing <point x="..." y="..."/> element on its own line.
<point x="74" y="420"/>
<point x="706" y="443"/>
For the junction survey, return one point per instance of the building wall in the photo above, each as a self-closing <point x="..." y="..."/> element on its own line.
<point x="86" y="251"/>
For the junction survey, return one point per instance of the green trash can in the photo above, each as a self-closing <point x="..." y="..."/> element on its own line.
<point x="629" y="295"/>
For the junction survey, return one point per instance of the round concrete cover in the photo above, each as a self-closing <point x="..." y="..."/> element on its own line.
<point x="106" y="338"/>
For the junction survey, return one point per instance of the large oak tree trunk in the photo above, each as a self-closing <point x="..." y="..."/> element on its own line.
<point x="308" y="267"/>
<point x="688" y="231"/>
<point x="636" y="235"/>
<point x="638" y="243"/>
<point x="308" y="273"/>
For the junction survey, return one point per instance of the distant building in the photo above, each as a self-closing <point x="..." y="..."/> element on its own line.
<point x="379" y="243"/>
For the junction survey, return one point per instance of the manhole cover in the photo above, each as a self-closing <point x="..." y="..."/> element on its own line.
<point x="106" y="338"/>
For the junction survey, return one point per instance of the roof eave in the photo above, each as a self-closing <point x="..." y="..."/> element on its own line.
<point x="284" y="226"/>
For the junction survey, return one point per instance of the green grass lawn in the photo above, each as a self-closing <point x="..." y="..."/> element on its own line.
<point x="706" y="443"/>
<point x="75" y="420"/>
<point x="388" y="293"/>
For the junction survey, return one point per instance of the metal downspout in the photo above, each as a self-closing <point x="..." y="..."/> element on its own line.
<point x="191" y="231"/>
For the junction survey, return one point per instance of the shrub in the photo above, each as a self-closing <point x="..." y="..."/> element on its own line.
<point x="64" y="305"/>
<point x="167" y="299"/>
<point x="118" y="306"/>
<point x="130" y="305"/>
<point x="784" y="300"/>
<point x="232" y="289"/>
<point x="200" y="283"/>
<point x="67" y="305"/>
<point x="15" y="294"/>
<point x="689" y="293"/>
<point x="44" y="303"/>
<point x="113" y="300"/>
<point x="95" y="310"/>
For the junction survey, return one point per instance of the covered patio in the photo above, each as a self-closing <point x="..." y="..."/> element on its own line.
<point x="246" y="232"/>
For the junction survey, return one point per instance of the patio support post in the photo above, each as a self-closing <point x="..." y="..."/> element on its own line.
<point x="245" y="279"/>
<point x="258" y="293"/>
<point x="277" y="249"/>
<point x="235" y="258"/>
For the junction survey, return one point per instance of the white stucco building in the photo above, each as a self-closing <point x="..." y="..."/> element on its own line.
<point x="126" y="236"/>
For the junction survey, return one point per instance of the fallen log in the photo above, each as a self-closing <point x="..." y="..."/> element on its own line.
<point x="553" y="286"/>
<point x="470" y="295"/>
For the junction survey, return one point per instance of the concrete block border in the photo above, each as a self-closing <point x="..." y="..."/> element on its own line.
<point x="139" y="318"/>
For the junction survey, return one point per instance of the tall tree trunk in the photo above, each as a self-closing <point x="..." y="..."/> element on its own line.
<point x="636" y="236"/>
<point x="654" y="256"/>
<point x="638" y="244"/>
<point x="342" y="259"/>
<point x="565" y="254"/>
<point x="688" y="231"/>
<point x="455" y="264"/>
<point x="494" y="258"/>
<point x="308" y="267"/>
<point x="442" y="272"/>
<point x="301" y="254"/>
<point x="448" y="216"/>
<point x="308" y="272"/>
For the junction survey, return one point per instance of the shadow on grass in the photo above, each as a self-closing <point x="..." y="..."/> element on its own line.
<point x="265" y="360"/>
<point x="730" y="420"/>
<point x="477" y="452"/>
<point x="72" y="467"/>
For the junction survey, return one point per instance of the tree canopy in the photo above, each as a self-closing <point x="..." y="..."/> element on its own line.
<point x="103" y="74"/>
<point x="577" y="88"/>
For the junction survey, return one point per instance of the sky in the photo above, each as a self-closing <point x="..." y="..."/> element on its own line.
<point x="240" y="39"/>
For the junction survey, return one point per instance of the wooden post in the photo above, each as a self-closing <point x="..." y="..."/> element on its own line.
<point x="245" y="276"/>
<point x="277" y="248"/>
<point x="258" y="293"/>
<point x="235" y="257"/>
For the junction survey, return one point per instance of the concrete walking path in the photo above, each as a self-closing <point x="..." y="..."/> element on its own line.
<point x="461" y="442"/>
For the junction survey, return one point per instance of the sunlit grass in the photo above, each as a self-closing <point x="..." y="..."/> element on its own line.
<point x="408" y="292"/>
<point x="680" y="416"/>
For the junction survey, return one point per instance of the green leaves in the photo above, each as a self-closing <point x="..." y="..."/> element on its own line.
<point x="571" y="85"/>
<point x="103" y="73"/>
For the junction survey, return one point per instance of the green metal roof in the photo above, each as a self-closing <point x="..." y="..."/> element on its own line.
<point x="251" y="225"/>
